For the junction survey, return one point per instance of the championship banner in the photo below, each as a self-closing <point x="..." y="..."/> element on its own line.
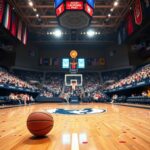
<point x="2" y="5"/>
<point x="129" y="24"/>
<point x="102" y="61"/>
<point x="138" y="12"/>
<point x="7" y="17"/>
<point x="55" y="62"/>
<point x="14" y="24"/>
<point x="19" y="34"/>
<point x="24" y="39"/>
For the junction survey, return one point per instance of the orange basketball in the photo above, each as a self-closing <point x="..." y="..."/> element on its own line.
<point x="40" y="123"/>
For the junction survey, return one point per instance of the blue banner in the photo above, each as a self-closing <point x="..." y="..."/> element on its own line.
<point x="91" y="3"/>
<point x="58" y="2"/>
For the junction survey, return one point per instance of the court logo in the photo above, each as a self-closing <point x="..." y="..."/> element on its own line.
<point x="76" y="111"/>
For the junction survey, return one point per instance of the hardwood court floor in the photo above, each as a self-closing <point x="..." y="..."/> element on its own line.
<point x="120" y="128"/>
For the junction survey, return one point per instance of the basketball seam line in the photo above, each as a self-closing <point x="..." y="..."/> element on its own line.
<point x="41" y="129"/>
<point x="39" y="120"/>
<point x="42" y="113"/>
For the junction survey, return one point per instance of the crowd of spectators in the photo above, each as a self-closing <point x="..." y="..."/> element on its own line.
<point x="142" y="74"/>
<point x="91" y="82"/>
<point x="21" y="98"/>
<point x="98" y="96"/>
<point x="46" y="94"/>
<point x="54" y="83"/>
<point x="28" y="75"/>
<point x="9" y="79"/>
<point x="115" y="74"/>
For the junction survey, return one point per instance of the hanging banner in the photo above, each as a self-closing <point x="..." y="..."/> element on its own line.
<point x="24" y="39"/>
<point x="2" y="6"/>
<point x="138" y="12"/>
<point x="14" y="24"/>
<point x="7" y="17"/>
<point x="129" y="24"/>
<point x="19" y="34"/>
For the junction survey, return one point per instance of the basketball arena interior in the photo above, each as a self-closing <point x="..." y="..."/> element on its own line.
<point x="74" y="74"/>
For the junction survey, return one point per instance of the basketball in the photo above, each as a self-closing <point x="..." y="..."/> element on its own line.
<point x="40" y="123"/>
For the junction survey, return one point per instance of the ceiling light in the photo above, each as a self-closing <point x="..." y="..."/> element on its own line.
<point x="34" y="9"/>
<point x="57" y="33"/>
<point x="37" y="15"/>
<point x="30" y="3"/>
<point x="112" y="9"/>
<point x="90" y="33"/>
<point x="116" y="3"/>
<point x="109" y="15"/>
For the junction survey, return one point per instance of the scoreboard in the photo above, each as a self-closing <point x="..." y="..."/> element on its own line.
<point x="74" y="5"/>
<point x="81" y="10"/>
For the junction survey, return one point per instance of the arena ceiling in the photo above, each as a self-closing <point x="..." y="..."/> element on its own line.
<point x="46" y="20"/>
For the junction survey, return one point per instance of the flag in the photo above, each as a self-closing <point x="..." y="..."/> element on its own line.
<point x="41" y="61"/>
<point x="14" y="24"/>
<point x="102" y="61"/>
<point x="2" y="5"/>
<point x="129" y="23"/>
<point x="19" y="34"/>
<point x="88" y="61"/>
<point x="50" y="61"/>
<point x="119" y="38"/>
<point x="24" y="39"/>
<point x="138" y="15"/>
<point x="95" y="61"/>
<point x="7" y="17"/>
<point x="56" y="62"/>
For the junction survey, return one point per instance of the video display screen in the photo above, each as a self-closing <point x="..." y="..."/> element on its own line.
<point x="74" y="5"/>
<point x="65" y="63"/>
<point x="81" y="63"/>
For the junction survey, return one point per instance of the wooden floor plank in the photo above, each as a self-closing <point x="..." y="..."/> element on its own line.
<point x="120" y="128"/>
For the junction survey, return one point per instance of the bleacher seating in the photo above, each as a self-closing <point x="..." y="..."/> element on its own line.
<point x="115" y="75"/>
<point x="138" y="78"/>
<point x="28" y="75"/>
<point x="138" y="100"/>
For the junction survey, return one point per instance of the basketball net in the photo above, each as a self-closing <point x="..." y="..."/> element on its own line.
<point x="74" y="84"/>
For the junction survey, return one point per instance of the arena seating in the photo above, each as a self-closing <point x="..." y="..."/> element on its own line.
<point x="138" y="78"/>
<point x="19" y="91"/>
<point x="138" y="100"/>
<point x="115" y="75"/>
<point x="28" y="75"/>
<point x="9" y="81"/>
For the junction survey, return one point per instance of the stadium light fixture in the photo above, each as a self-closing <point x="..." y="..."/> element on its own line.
<point x="30" y="3"/>
<point x="57" y="33"/>
<point x="112" y="9"/>
<point x="37" y="15"/>
<point x="116" y="3"/>
<point x="34" y="9"/>
<point x="90" y="33"/>
<point x="109" y="15"/>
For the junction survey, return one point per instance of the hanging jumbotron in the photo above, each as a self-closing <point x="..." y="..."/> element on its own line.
<point x="74" y="14"/>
